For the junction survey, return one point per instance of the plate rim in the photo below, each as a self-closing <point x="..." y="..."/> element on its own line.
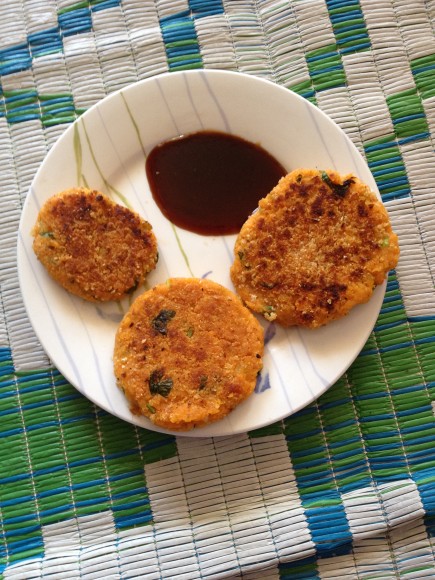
<point x="197" y="432"/>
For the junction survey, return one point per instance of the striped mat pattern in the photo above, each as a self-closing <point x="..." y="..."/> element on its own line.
<point x="345" y="489"/>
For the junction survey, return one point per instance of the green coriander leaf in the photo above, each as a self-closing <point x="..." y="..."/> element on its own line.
<point x="160" y="385"/>
<point x="339" y="189"/>
<point x="160" y="322"/>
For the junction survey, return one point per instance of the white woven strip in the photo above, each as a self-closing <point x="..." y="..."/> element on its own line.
<point x="217" y="50"/>
<point x="51" y="75"/>
<point x="429" y="109"/>
<point x="338" y="105"/>
<point x="29" y="151"/>
<point x="142" y="21"/>
<point x="25" y="570"/>
<point x="228" y="518"/>
<point x="233" y="501"/>
<point x="12" y="25"/>
<point x="282" y="502"/>
<point x="364" y="513"/>
<point x="412" y="550"/>
<point x="419" y="159"/>
<point x="404" y="553"/>
<point x="314" y="24"/>
<point x="4" y="340"/>
<point x="367" y="96"/>
<point x="77" y="539"/>
<point x="14" y="179"/>
<point x="137" y="554"/>
<point x="53" y="133"/>
<point x="81" y="61"/>
<point x="247" y="35"/>
<point x="400" y="502"/>
<point x="170" y="7"/>
<point x="172" y="519"/>
<point x="339" y="568"/>
<point x="90" y="546"/>
<point x="392" y="65"/>
<point x="113" y="47"/>
<point x="413" y="269"/>
<point x="284" y="42"/>
<point x="373" y="559"/>
<point x="39" y="15"/>
<point x="418" y="34"/>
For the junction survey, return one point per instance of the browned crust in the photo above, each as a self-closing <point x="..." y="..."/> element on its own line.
<point x="206" y="348"/>
<point x="93" y="247"/>
<point x="317" y="247"/>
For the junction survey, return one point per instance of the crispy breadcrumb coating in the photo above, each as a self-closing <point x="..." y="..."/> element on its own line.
<point x="187" y="353"/>
<point x="318" y="245"/>
<point x="93" y="247"/>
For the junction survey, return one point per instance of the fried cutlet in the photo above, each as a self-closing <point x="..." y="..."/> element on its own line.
<point x="316" y="247"/>
<point x="187" y="352"/>
<point x="93" y="247"/>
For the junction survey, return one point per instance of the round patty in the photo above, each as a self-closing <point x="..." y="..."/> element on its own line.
<point x="187" y="352"/>
<point x="93" y="247"/>
<point x="317" y="246"/>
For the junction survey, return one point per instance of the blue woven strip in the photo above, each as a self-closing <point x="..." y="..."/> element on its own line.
<point x="75" y="20"/>
<point x="78" y="20"/>
<point x="329" y="527"/>
<point x="202" y="8"/>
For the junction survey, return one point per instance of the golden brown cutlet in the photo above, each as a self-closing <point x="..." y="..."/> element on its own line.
<point x="187" y="353"/>
<point x="317" y="246"/>
<point x="93" y="247"/>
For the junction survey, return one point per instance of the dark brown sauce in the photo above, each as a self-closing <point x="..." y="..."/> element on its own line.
<point x="210" y="182"/>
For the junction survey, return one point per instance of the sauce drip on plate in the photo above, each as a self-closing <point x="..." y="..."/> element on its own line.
<point x="210" y="182"/>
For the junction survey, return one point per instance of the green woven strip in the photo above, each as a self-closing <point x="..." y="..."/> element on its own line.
<point x="343" y="437"/>
<point x="305" y="89"/>
<point x="79" y="5"/>
<point x="386" y="163"/>
<point x="68" y="459"/>
<point x="51" y="109"/>
<point x="308" y="452"/>
<point x="274" y="429"/>
<point x="305" y="569"/>
<point x="423" y="69"/>
<point x="348" y="24"/>
<point x="326" y="69"/>
<point x="408" y="115"/>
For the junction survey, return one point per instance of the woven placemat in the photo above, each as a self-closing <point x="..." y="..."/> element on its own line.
<point x="343" y="489"/>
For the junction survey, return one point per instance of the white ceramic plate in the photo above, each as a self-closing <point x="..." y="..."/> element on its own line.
<point x="106" y="149"/>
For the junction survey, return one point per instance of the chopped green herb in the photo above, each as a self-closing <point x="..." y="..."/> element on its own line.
<point x="241" y="255"/>
<point x="268" y="285"/>
<point x="339" y="189"/>
<point x="150" y="408"/>
<point x="159" y="385"/>
<point x="160" y="322"/>
<point x="190" y="331"/>
<point x="47" y="235"/>
<point x="203" y="382"/>
<point x="385" y="242"/>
